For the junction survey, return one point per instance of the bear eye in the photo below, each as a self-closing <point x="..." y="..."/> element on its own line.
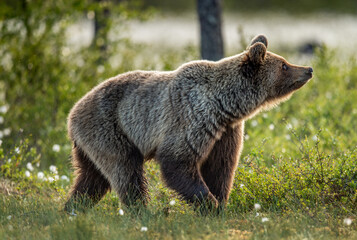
<point x="285" y="67"/>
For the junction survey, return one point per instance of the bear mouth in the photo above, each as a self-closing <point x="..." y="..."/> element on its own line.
<point x="301" y="82"/>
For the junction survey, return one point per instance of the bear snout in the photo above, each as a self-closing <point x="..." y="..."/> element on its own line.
<point x="310" y="70"/>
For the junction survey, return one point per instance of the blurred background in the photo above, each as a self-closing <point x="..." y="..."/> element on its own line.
<point x="53" y="52"/>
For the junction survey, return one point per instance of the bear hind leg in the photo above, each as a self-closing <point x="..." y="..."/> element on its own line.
<point x="89" y="185"/>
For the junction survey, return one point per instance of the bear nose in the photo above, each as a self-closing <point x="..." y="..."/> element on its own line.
<point x="310" y="70"/>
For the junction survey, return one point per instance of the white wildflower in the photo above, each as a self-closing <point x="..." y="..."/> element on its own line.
<point x="283" y="150"/>
<point x="287" y="136"/>
<point x="265" y="219"/>
<point x="56" y="148"/>
<point x="73" y="213"/>
<point x="1" y="119"/>
<point x="328" y="95"/>
<point x="40" y="175"/>
<point x="90" y="15"/>
<point x="17" y="150"/>
<point x="29" y="166"/>
<point x="7" y="131"/>
<point x="289" y="126"/>
<point x="9" y="217"/>
<point x="172" y="202"/>
<point x="50" y="179"/>
<point x="100" y="69"/>
<point x="38" y="164"/>
<point x="0" y="142"/>
<point x="56" y="177"/>
<point x="257" y="206"/>
<point x="121" y="212"/>
<point x="27" y="173"/>
<point x="257" y="214"/>
<point x="314" y="138"/>
<point x="3" y="109"/>
<point x="254" y="123"/>
<point x="265" y="115"/>
<point x="347" y="221"/>
<point x="271" y="126"/>
<point x="143" y="229"/>
<point x="64" y="178"/>
<point x="241" y="185"/>
<point x="53" y="169"/>
<point x="246" y="137"/>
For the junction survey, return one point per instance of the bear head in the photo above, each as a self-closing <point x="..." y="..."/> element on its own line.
<point x="279" y="77"/>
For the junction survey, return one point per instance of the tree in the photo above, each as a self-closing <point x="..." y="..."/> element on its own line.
<point x="209" y="13"/>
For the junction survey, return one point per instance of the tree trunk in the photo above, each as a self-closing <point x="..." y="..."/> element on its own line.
<point x="209" y="13"/>
<point x="101" y="28"/>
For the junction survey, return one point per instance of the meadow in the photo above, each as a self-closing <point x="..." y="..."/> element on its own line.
<point x="296" y="179"/>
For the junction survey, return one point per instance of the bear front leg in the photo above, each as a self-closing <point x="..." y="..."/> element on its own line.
<point x="181" y="174"/>
<point x="219" y="168"/>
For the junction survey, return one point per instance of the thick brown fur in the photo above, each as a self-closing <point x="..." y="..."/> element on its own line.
<point x="190" y="120"/>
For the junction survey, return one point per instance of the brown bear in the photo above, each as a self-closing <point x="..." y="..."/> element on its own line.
<point x="190" y="120"/>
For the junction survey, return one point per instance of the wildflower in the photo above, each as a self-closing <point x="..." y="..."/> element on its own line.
<point x="172" y="202"/>
<point x="64" y="178"/>
<point x="347" y="221"/>
<point x="1" y="119"/>
<point x="29" y="166"/>
<point x="9" y="217"/>
<point x="283" y="150"/>
<point x="254" y="123"/>
<point x="328" y="95"/>
<point x="257" y="214"/>
<point x="265" y="115"/>
<point x="241" y="185"/>
<point x="0" y="142"/>
<point x="90" y="15"/>
<point x="27" y="173"/>
<point x="53" y="169"/>
<point x="3" y="109"/>
<point x="289" y="126"/>
<point x="121" y="212"/>
<point x="143" y="229"/>
<point x="40" y="175"/>
<point x="265" y="219"/>
<point x="271" y="126"/>
<point x="246" y="137"/>
<point x="38" y="164"/>
<point x="56" y="148"/>
<point x="314" y="138"/>
<point x="7" y="131"/>
<point x="50" y="179"/>
<point x="288" y="137"/>
<point x="56" y="177"/>
<point x="257" y="206"/>
<point x="73" y="213"/>
<point x="100" y="69"/>
<point x="17" y="150"/>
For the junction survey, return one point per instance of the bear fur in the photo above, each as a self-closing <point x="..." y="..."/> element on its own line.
<point x="190" y="120"/>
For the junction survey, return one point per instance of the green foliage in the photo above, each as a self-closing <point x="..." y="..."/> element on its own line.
<point x="304" y="183"/>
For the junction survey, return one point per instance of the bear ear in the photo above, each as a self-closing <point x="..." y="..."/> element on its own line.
<point x="259" y="38"/>
<point x="257" y="53"/>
